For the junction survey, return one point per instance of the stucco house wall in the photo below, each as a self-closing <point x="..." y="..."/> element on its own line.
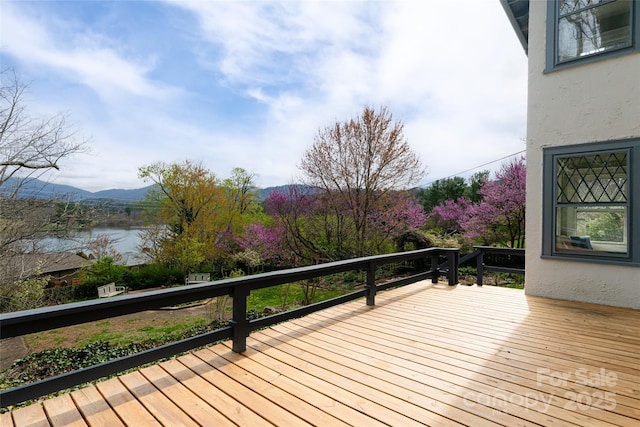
<point x="592" y="102"/>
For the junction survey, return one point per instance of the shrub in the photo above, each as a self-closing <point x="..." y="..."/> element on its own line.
<point x="85" y="291"/>
<point x="152" y="276"/>
<point x="101" y="272"/>
<point x="24" y="294"/>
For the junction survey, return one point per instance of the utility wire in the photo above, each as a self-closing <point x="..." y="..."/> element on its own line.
<point x="474" y="168"/>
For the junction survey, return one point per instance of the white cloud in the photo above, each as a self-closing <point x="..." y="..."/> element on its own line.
<point x="87" y="56"/>
<point x="456" y="78"/>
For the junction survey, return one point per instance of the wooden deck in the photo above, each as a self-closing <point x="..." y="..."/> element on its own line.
<point x="425" y="355"/>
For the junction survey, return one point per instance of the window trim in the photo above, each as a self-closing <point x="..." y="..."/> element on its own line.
<point x="549" y="204"/>
<point x="553" y="17"/>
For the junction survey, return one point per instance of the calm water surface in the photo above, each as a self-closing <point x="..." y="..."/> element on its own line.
<point x="123" y="240"/>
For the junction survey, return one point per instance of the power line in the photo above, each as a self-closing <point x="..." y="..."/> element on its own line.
<point x="474" y="168"/>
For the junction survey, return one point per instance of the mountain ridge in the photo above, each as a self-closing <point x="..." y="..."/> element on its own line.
<point x="35" y="188"/>
<point x="38" y="189"/>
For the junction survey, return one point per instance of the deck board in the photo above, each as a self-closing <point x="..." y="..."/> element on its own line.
<point x="6" y="420"/>
<point x="449" y="375"/>
<point x="63" y="412"/>
<point x="197" y="408"/>
<point x="266" y="408"/>
<point x="125" y="406"/>
<point x="95" y="410"/>
<point x="424" y="355"/>
<point x="229" y="407"/>
<point x="32" y="416"/>
<point x="159" y="405"/>
<point x="458" y="359"/>
<point x="343" y="414"/>
<point x="294" y="405"/>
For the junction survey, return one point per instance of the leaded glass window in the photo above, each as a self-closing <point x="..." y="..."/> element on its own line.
<point x="592" y="201"/>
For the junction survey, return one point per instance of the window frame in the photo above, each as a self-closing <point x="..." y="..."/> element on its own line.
<point x="550" y="204"/>
<point x="553" y="19"/>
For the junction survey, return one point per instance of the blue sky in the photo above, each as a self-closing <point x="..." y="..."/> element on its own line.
<point x="249" y="83"/>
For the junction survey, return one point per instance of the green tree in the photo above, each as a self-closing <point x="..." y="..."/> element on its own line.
<point x="452" y="189"/>
<point x="196" y="214"/>
<point x="24" y="294"/>
<point x="101" y="272"/>
<point x="475" y="183"/>
<point x="242" y="204"/>
<point x="242" y="191"/>
<point x="441" y="190"/>
<point x="187" y="202"/>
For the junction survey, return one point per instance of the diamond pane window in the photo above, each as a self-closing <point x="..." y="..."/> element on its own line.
<point x="599" y="178"/>
<point x="591" y="202"/>
<point x="591" y="193"/>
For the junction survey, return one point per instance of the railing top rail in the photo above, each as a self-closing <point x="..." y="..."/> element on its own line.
<point x="46" y="318"/>
<point x="499" y="250"/>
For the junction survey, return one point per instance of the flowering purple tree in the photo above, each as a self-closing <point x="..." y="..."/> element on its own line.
<point x="450" y="214"/>
<point x="398" y="214"/>
<point x="318" y="228"/>
<point x="498" y="217"/>
<point x="502" y="209"/>
<point x="267" y="242"/>
<point x="295" y="211"/>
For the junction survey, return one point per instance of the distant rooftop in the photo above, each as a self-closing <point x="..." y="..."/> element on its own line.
<point x="27" y="265"/>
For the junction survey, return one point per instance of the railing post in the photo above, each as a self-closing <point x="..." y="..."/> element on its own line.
<point x="480" y="267"/>
<point x="434" y="268"/>
<point x="239" y="322"/>
<point x="453" y="261"/>
<point x="370" y="286"/>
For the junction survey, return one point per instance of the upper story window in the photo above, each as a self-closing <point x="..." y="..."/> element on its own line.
<point x="591" y="192"/>
<point x="581" y="30"/>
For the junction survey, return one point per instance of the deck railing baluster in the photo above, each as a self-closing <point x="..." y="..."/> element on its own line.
<point x="370" y="286"/>
<point x="435" y="268"/>
<point x="240" y="323"/>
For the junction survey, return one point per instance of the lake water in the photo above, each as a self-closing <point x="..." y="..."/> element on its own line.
<point x="123" y="240"/>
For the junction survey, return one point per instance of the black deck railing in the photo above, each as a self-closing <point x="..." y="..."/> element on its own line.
<point x="47" y="318"/>
<point x="496" y="260"/>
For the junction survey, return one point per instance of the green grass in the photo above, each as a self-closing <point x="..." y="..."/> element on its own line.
<point x="115" y="333"/>
<point x="286" y="296"/>
<point x="137" y="330"/>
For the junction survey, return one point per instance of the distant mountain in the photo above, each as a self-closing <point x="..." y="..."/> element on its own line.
<point x="129" y="195"/>
<point x="263" y="193"/>
<point x="38" y="189"/>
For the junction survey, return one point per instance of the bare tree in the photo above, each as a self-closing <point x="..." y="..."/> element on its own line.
<point x="29" y="147"/>
<point x="358" y="161"/>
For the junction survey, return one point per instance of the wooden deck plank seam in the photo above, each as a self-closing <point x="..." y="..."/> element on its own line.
<point x="411" y="371"/>
<point x="435" y="367"/>
<point x="454" y="327"/>
<point x="525" y="370"/>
